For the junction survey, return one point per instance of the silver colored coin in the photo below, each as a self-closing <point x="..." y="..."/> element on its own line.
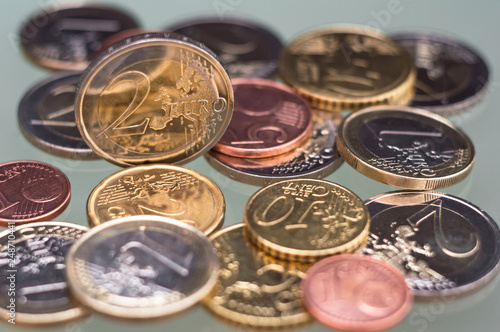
<point x="32" y="280"/>
<point x="444" y="245"/>
<point x="47" y="117"/>
<point x="316" y="158"/>
<point x="142" y="267"/>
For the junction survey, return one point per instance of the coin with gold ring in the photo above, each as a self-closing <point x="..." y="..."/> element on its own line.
<point x="154" y="97"/>
<point x="306" y="219"/>
<point x="348" y="68"/>
<point x="159" y="189"/>
<point x="253" y="288"/>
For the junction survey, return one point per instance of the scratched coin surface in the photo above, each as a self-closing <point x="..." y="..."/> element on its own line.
<point x="154" y="97"/>
<point x="306" y="219"/>
<point x="348" y="68"/>
<point x="69" y="37"/>
<point x="31" y="191"/>
<point x="47" y="117"/>
<point x="246" y="49"/>
<point x="405" y="147"/>
<point x="451" y="76"/>
<point x="269" y="119"/>
<point x="163" y="190"/>
<point x="253" y="288"/>
<point x="356" y="293"/>
<point x="142" y="267"/>
<point x="32" y="278"/>
<point x="445" y="245"/>
<point x="316" y="158"/>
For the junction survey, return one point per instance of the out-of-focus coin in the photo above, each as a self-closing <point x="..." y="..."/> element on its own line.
<point x="252" y="288"/>
<point x="405" y="147"/>
<point x="348" y="68"/>
<point x="33" y="285"/>
<point x="68" y="38"/>
<point x="142" y="267"/>
<point x="47" y="117"/>
<point x="445" y="245"/>
<point x="154" y="98"/>
<point x="356" y="293"/>
<point x="31" y="191"/>
<point x="164" y="190"/>
<point x="119" y="36"/>
<point x="269" y="119"/>
<point x="316" y="158"/>
<point x="245" y="49"/>
<point x="306" y="219"/>
<point x="451" y="76"/>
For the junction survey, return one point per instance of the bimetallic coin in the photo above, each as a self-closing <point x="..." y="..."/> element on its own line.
<point x="245" y="49"/>
<point x="348" y="68"/>
<point x="163" y="190"/>
<point x="47" y="117"/>
<point x="444" y="245"/>
<point x="68" y="38"/>
<point x="31" y="191"/>
<point x="405" y="147"/>
<point x="306" y="219"/>
<point x="451" y="76"/>
<point x="316" y="158"/>
<point x="269" y="119"/>
<point x="356" y="293"/>
<point x="142" y="267"/>
<point x="153" y="98"/>
<point x="252" y="288"/>
<point x="33" y="286"/>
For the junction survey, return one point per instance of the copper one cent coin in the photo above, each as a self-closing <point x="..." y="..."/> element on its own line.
<point x="31" y="191"/>
<point x="356" y="293"/>
<point x="269" y="119"/>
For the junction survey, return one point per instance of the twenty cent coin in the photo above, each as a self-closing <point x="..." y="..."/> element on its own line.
<point x="31" y="191"/>
<point x="33" y="286"/>
<point x="405" y="147"/>
<point x="154" y="98"/>
<point x="306" y="219"/>
<point x="164" y="190"/>
<point x="445" y="245"/>
<point x="142" y="267"/>
<point x="356" y="293"/>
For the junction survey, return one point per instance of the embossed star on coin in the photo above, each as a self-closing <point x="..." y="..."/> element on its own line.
<point x="405" y="147"/>
<point x="33" y="285"/>
<point x="164" y="190"/>
<point x="306" y="219"/>
<point x="154" y="97"/>
<point x="142" y="267"/>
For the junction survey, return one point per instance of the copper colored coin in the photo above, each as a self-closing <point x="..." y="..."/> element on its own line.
<point x="356" y="293"/>
<point x="31" y="191"/>
<point x="269" y="119"/>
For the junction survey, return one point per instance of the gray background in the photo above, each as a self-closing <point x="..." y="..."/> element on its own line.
<point x="473" y="22"/>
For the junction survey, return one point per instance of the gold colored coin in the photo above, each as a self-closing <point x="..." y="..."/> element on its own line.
<point x="142" y="267"/>
<point x="33" y="286"/>
<point x="405" y="147"/>
<point x="154" y="97"/>
<point x="306" y="219"/>
<point x="159" y="189"/>
<point x="253" y="288"/>
<point x="348" y="68"/>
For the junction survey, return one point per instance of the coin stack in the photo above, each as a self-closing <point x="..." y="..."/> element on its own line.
<point x="307" y="247"/>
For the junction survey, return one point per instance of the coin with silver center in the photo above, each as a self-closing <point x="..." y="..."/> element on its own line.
<point x="444" y="245"/>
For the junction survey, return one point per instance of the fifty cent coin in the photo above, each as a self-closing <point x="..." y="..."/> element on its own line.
<point x="33" y="284"/>
<point x="269" y="119"/>
<point x="405" y="147"/>
<point x="153" y="98"/>
<point x="142" y="267"/>
<point x="163" y="190"/>
<point x="31" y="191"/>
